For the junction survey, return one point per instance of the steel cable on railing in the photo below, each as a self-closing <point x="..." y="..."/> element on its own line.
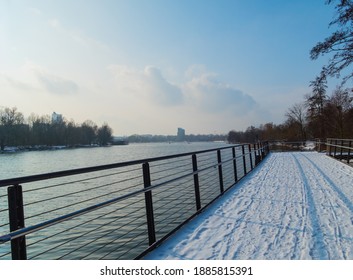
<point x="167" y="218"/>
<point x="86" y="222"/>
<point x="97" y="238"/>
<point x="6" y="254"/>
<point x="79" y="202"/>
<point x="2" y="210"/>
<point x="123" y="246"/>
<point x="172" y="217"/>
<point x="213" y="189"/>
<point x="203" y="176"/>
<point x="116" y="238"/>
<point x="162" y="214"/>
<point x="228" y="176"/>
<point x="84" y="190"/>
<point x="154" y="164"/>
<point x="173" y="196"/>
<point x="3" y="225"/>
<point x="138" y="244"/>
<point x="186" y="210"/>
<point x="174" y="221"/>
<point x="210" y="197"/>
<point x="167" y="169"/>
<point x="81" y="180"/>
<point x="211" y="157"/>
<point x="171" y="175"/>
<point x="80" y="236"/>
<point x="170" y="168"/>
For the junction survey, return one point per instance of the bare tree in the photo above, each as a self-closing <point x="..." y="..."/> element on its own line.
<point x="340" y="43"/>
<point x="297" y="115"/>
<point x="337" y="112"/>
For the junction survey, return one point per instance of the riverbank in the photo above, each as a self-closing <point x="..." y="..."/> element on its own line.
<point x="15" y="149"/>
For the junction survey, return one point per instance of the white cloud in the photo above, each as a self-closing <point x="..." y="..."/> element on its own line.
<point x="148" y="84"/>
<point x="162" y="91"/>
<point x="32" y="76"/>
<point x="20" y="85"/>
<point x="199" y="102"/>
<point x="56" y="84"/>
<point x="208" y="94"/>
<point x="201" y="91"/>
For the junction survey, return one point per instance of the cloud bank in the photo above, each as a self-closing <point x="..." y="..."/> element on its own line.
<point x="208" y="94"/>
<point x="57" y="85"/>
<point x="201" y="90"/>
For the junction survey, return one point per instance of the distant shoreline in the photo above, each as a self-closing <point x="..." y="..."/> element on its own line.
<point x="9" y="150"/>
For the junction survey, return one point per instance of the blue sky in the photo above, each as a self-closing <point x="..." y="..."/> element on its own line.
<point x="150" y="66"/>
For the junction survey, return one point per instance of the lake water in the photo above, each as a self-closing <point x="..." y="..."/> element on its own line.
<point x="35" y="162"/>
<point x="100" y="234"/>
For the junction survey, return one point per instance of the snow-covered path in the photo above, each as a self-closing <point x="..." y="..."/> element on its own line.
<point x="292" y="206"/>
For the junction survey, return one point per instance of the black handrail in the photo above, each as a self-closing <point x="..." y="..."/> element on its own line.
<point x="183" y="176"/>
<point x="70" y="172"/>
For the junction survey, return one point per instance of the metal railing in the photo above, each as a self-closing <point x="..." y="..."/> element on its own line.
<point x="115" y="211"/>
<point x="293" y="146"/>
<point x="341" y="149"/>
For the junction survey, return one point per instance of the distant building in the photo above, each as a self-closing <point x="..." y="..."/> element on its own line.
<point x="181" y="134"/>
<point x="56" y="118"/>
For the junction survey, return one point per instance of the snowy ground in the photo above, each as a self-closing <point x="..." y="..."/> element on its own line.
<point x="292" y="206"/>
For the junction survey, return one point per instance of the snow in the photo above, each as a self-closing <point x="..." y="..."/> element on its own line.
<point x="296" y="205"/>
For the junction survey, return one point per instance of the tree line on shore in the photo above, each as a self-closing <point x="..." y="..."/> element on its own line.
<point x="43" y="131"/>
<point x="319" y="116"/>
<point x="135" y="138"/>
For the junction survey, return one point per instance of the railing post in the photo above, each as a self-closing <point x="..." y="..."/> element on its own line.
<point x="220" y="173"/>
<point x="349" y="151"/>
<point x="149" y="204"/>
<point x="17" y="221"/>
<point x="235" y="165"/>
<point x="244" y="162"/>
<point x="335" y="149"/>
<point x="251" y="164"/>
<point x="256" y="151"/>
<point x="341" y="156"/>
<point x="261" y="151"/>
<point x="196" y="183"/>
